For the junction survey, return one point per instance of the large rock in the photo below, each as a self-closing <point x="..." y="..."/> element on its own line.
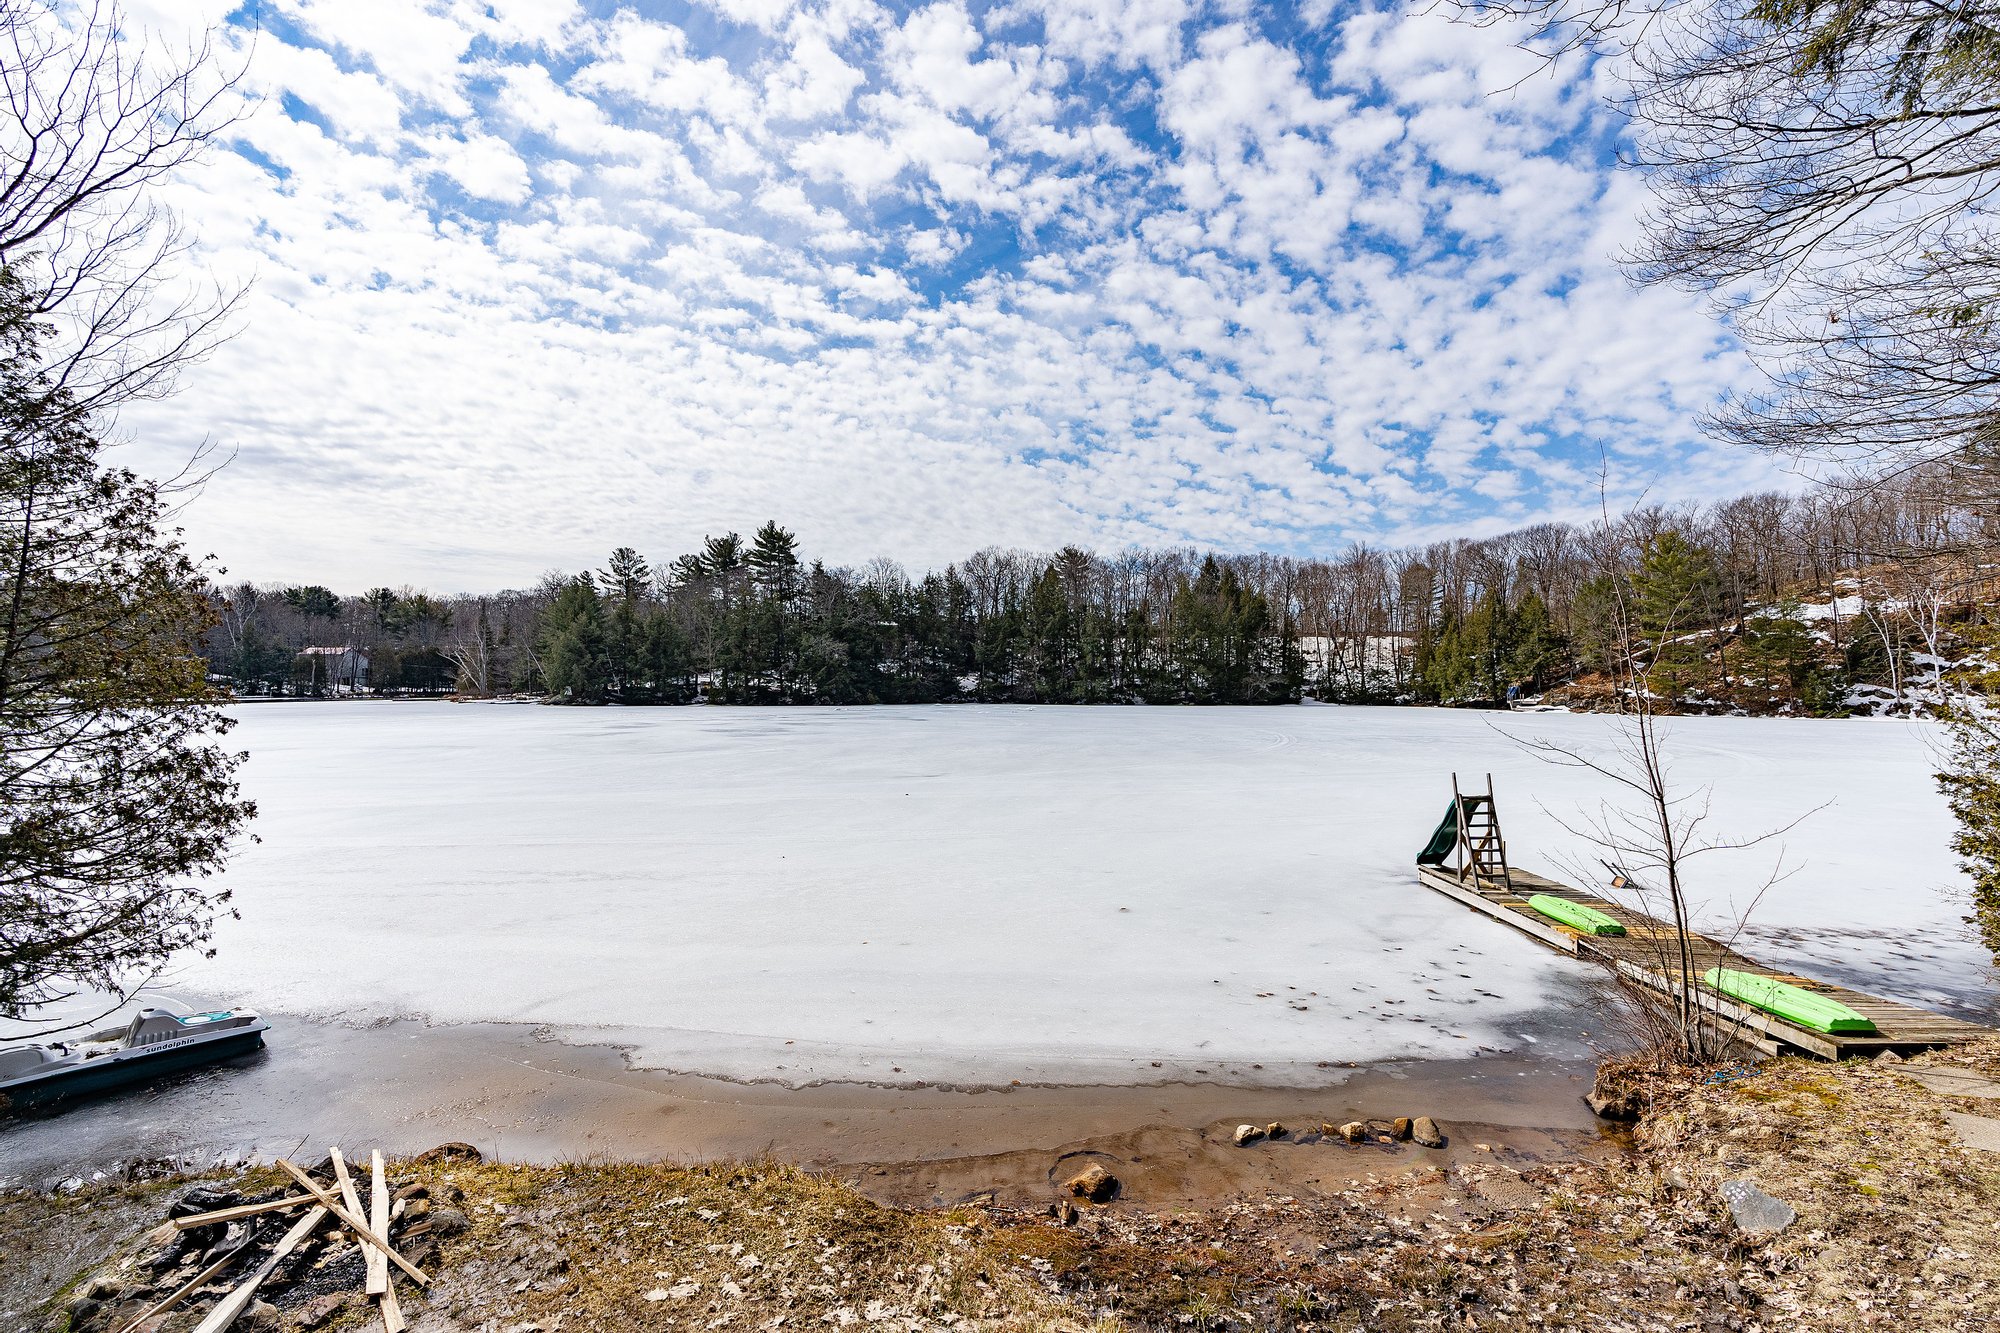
<point x="204" y="1199"/>
<point x="1616" y="1094"/>
<point x="1247" y="1134"/>
<point x="1956" y="1082"/>
<point x="1425" y="1133"/>
<point x="1093" y="1183"/>
<point x="261" y="1317"/>
<point x="1975" y="1131"/>
<point x="1755" y="1212"/>
<point x="1353" y="1131"/>
<point x="1399" y="1128"/>
<point x="450" y="1152"/>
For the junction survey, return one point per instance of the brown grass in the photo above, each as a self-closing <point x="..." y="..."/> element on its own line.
<point x="631" y="1246"/>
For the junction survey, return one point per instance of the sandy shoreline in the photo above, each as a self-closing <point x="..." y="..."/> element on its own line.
<point x="521" y="1096"/>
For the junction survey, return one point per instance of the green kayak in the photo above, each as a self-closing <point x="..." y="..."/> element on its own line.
<point x="1575" y="915"/>
<point x="1819" y="1012"/>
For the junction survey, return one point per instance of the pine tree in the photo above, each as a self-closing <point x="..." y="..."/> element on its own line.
<point x="576" y="660"/>
<point x="117" y="803"/>
<point x="1782" y="652"/>
<point x="1471" y="657"/>
<point x="381" y="602"/>
<point x="1971" y="785"/>
<point x="773" y="562"/>
<point x="625" y="672"/>
<point x="1676" y="600"/>
<point x="722" y="560"/>
<point x="314" y="601"/>
<point x="996" y="650"/>
<point x="1420" y="604"/>
<point x="626" y="576"/>
<point x="773" y="559"/>
<point x="1537" y="651"/>
<point x="1136" y="651"/>
<point x="1488" y="640"/>
<point x="687" y="571"/>
<point x="1050" y="653"/>
<point x="667" y="662"/>
<point x="1598" y="618"/>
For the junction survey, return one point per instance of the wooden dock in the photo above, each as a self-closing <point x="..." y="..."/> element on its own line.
<point x="1638" y="954"/>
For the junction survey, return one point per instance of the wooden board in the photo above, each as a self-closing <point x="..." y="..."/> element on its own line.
<point x="240" y="1211"/>
<point x="378" y="1217"/>
<point x="353" y="1221"/>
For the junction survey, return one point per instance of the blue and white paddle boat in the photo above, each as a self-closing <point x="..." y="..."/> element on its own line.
<point x="154" y="1042"/>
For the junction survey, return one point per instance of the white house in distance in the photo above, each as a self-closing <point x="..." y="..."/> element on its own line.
<point x="335" y="670"/>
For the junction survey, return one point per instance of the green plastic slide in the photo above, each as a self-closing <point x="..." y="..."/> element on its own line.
<point x="1575" y="915"/>
<point x="1442" y="841"/>
<point x="1818" y="1012"/>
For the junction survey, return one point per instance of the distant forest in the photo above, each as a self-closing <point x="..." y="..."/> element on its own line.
<point x="1766" y="602"/>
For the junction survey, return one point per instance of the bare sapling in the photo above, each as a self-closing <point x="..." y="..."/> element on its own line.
<point x="1645" y="837"/>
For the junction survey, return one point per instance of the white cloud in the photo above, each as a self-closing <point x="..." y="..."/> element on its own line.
<point x="419" y="48"/>
<point x="540" y="23"/>
<point x="864" y="163"/>
<point x="483" y="165"/>
<point x="813" y="82"/>
<point x="558" y="277"/>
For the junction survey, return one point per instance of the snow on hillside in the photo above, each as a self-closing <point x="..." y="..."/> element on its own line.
<point x="1838" y="608"/>
<point x="984" y="894"/>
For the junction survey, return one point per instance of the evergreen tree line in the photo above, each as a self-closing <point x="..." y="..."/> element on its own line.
<point x="1703" y="600"/>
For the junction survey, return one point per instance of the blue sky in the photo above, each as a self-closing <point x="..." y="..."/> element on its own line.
<point x="529" y="280"/>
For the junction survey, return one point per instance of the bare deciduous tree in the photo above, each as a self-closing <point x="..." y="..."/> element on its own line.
<point x="93" y="120"/>
<point x="1825" y="171"/>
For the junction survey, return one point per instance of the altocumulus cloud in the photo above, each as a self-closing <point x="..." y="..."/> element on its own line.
<point x="531" y="278"/>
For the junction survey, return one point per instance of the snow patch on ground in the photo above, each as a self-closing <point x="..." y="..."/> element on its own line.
<point x="981" y="894"/>
<point x="1839" y="608"/>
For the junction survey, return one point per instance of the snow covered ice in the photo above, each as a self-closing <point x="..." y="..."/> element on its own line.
<point x="975" y="894"/>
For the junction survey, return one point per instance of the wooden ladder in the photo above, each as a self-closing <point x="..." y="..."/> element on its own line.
<point x="1482" y="851"/>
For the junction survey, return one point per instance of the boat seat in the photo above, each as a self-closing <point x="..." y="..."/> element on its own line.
<point x="22" y="1059"/>
<point x="151" y="1025"/>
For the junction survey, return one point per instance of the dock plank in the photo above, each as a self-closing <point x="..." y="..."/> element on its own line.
<point x="1649" y="953"/>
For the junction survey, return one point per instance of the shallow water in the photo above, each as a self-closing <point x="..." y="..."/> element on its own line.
<point x="520" y="1096"/>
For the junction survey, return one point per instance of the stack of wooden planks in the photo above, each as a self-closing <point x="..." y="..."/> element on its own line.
<point x="342" y="1203"/>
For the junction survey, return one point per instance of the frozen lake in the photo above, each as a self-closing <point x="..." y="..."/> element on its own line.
<point x="975" y="894"/>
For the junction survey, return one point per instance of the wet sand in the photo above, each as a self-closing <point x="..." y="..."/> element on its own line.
<point x="518" y="1095"/>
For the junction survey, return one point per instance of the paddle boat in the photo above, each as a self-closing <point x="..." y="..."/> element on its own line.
<point x="154" y="1042"/>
